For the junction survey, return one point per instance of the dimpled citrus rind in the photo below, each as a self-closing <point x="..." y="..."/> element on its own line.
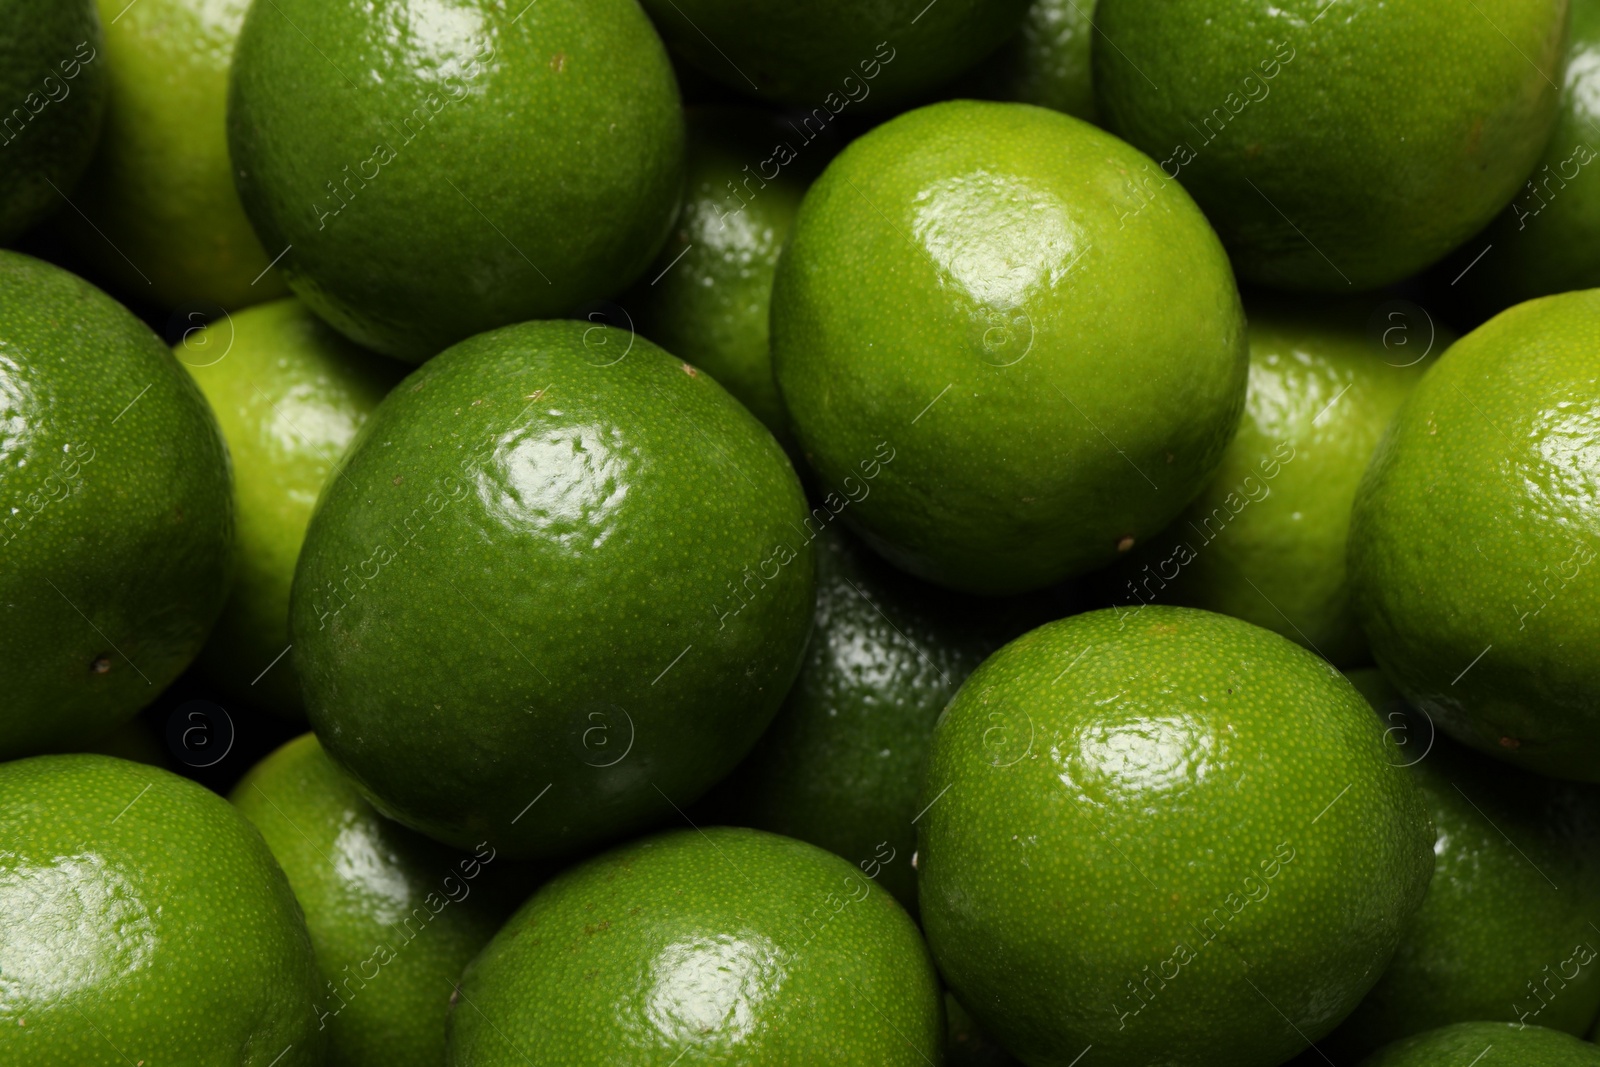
<point x="964" y="337"/>
<point x="1470" y="541"/>
<point x="53" y="89"/>
<point x="841" y="765"/>
<point x="1153" y="832"/>
<point x="707" y="298"/>
<point x="832" y="56"/>
<point x="391" y="933"/>
<point x="560" y="578"/>
<point x="289" y="394"/>
<point x="1335" y="148"/>
<point x="745" y="946"/>
<point x="428" y="179"/>
<point x="160" y="189"/>
<point x="1544" y="241"/>
<point x="145" y="922"/>
<point x="116" y="518"/>
<point x="1266" y="540"/>
<point x="1531" y="1046"/>
<point x="1504" y="932"/>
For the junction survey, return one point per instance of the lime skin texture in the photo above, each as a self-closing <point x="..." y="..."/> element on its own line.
<point x="1046" y="62"/>
<point x="980" y="287"/>
<point x="1134" y="821"/>
<point x="1266" y="540"/>
<point x="116" y="517"/>
<point x="1335" y="148"/>
<point x="1472" y="539"/>
<point x="1504" y="932"/>
<point x="559" y="585"/>
<point x="841" y="765"/>
<point x="741" y="946"/>
<point x="707" y="297"/>
<point x="145" y="922"/>
<point x="440" y="176"/>
<point x="393" y="916"/>
<point x="1497" y="1043"/>
<point x="160" y="190"/>
<point x="1547" y="240"/>
<point x="52" y="103"/>
<point x="829" y="55"/>
<point x="289" y="393"/>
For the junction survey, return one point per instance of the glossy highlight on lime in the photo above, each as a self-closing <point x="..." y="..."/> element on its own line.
<point x="559" y="586"/>
<point x="372" y="148"/>
<point x="979" y="285"/>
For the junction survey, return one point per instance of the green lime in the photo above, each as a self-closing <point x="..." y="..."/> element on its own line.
<point x="1175" y="838"/>
<point x="975" y="301"/>
<point x="559" y="585"/>
<point x="1505" y="931"/>
<point x="161" y="217"/>
<point x="724" y="946"/>
<point x="707" y="296"/>
<point x="1046" y="62"/>
<point x="832" y="55"/>
<point x="1265" y="542"/>
<point x="431" y="172"/>
<point x="1335" y="144"/>
<point x="841" y="766"/>
<point x="115" y="516"/>
<point x="1547" y="240"/>
<point x="290" y="394"/>
<point x="1472" y="536"/>
<point x="145" y="922"/>
<point x="52" y="103"/>
<point x="393" y="916"/>
<point x="1488" y="1045"/>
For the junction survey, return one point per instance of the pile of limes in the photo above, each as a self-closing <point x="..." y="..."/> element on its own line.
<point x="675" y="532"/>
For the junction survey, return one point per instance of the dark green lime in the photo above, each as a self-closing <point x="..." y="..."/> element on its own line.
<point x="559" y="585"/>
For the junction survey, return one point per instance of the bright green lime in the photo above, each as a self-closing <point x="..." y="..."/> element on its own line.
<point x="976" y="301"/>
<point x="116" y="523"/>
<point x="1046" y="62"/>
<point x="841" y="766"/>
<point x="1176" y="837"/>
<point x="707" y="297"/>
<point x="290" y="394"/>
<point x="1336" y="145"/>
<point x="1505" y="930"/>
<point x="832" y="55"/>
<point x="1472" y="539"/>
<point x="1266" y="540"/>
<point x="1488" y="1045"/>
<point x="723" y="947"/>
<point x="52" y="102"/>
<point x="166" y="222"/>
<point x="430" y="172"/>
<point x="144" y="922"/>
<point x="393" y="916"/>
<point x="560" y="585"/>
